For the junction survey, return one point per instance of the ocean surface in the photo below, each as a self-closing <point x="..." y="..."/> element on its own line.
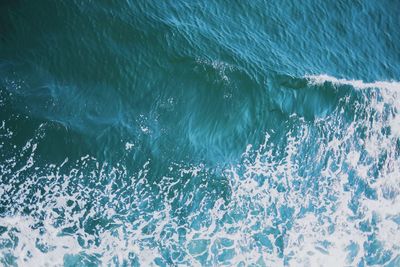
<point x="199" y="133"/>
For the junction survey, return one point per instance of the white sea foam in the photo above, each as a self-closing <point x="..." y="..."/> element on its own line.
<point x="359" y="84"/>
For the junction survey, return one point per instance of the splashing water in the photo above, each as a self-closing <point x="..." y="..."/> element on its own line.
<point x="330" y="193"/>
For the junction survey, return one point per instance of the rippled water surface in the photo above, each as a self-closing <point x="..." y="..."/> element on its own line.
<point x="203" y="133"/>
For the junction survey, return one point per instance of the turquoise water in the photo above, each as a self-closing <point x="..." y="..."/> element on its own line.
<point x="151" y="133"/>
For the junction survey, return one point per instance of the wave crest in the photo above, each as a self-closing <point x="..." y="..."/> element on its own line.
<point x="359" y="84"/>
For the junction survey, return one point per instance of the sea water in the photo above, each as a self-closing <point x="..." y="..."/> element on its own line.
<point x="199" y="133"/>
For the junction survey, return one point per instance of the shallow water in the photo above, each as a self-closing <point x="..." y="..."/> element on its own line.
<point x="163" y="134"/>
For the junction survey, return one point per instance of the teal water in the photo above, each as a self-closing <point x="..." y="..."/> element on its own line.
<point x="177" y="133"/>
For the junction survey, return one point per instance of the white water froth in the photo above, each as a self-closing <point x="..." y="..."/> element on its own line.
<point x="359" y="84"/>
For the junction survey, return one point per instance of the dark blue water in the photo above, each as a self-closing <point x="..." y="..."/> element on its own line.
<point x="149" y="133"/>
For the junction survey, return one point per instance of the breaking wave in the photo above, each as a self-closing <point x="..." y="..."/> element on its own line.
<point x="325" y="192"/>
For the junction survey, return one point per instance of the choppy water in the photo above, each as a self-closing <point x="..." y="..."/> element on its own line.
<point x="204" y="133"/>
